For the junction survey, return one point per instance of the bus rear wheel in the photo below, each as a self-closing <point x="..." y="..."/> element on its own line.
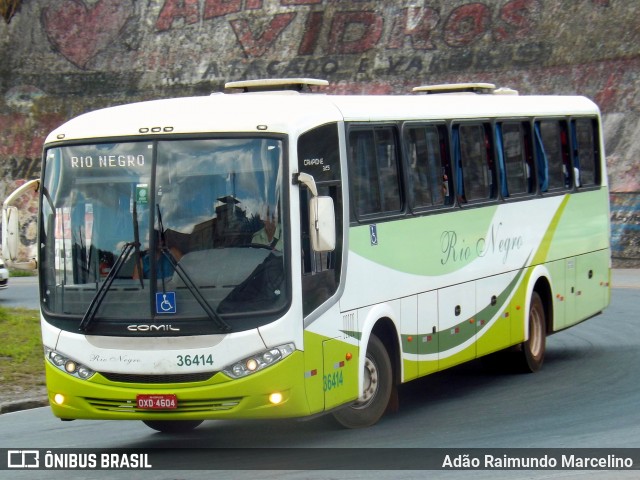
<point x="534" y="347"/>
<point x="172" y="426"/>
<point x="378" y="383"/>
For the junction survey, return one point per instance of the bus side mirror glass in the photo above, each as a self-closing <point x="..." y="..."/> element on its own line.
<point x="11" y="233"/>
<point x="322" y="226"/>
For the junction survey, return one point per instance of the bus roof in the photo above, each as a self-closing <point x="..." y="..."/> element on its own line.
<point x="293" y="112"/>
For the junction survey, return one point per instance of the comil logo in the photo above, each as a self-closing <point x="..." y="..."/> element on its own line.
<point x="23" y="459"/>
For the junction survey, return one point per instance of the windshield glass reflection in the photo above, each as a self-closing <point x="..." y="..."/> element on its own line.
<point x="202" y="219"/>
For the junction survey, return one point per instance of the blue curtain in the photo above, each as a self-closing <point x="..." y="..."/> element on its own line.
<point x="504" y="188"/>
<point x="576" y="152"/>
<point x="457" y="161"/>
<point x="541" y="160"/>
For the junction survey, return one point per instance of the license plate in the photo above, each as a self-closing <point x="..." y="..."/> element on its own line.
<point x="157" y="402"/>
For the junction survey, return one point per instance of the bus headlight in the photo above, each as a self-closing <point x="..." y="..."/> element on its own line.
<point x="67" y="365"/>
<point x="259" y="361"/>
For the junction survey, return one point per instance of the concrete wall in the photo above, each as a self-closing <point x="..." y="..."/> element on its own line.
<point x="63" y="57"/>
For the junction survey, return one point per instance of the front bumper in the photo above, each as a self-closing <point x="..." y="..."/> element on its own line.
<point x="219" y="397"/>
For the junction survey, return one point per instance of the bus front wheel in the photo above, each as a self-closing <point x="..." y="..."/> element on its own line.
<point x="172" y="426"/>
<point x="378" y="383"/>
<point x="534" y="347"/>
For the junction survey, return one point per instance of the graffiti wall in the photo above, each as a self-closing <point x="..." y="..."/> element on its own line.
<point x="61" y="58"/>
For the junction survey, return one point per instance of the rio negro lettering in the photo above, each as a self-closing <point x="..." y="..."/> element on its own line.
<point x="497" y="243"/>
<point x="456" y="250"/>
<point x="107" y="161"/>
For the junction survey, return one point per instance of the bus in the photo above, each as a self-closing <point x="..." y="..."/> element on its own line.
<point x="273" y="251"/>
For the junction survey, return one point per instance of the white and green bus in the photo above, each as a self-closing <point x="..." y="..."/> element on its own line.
<point x="278" y="252"/>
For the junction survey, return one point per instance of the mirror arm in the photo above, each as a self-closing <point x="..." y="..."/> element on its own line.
<point x="307" y="180"/>
<point x="30" y="185"/>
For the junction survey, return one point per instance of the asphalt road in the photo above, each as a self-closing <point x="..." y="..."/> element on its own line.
<point x="586" y="396"/>
<point x="22" y="292"/>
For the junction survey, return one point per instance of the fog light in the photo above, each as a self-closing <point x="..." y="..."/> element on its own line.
<point x="58" y="398"/>
<point x="275" y="398"/>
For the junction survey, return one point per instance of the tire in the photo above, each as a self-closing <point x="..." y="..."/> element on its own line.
<point x="378" y="383"/>
<point x="172" y="426"/>
<point x="533" y="349"/>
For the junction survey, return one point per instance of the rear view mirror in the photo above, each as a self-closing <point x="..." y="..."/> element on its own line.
<point x="11" y="227"/>
<point x="322" y="226"/>
<point x="10" y="233"/>
<point x="322" y="218"/>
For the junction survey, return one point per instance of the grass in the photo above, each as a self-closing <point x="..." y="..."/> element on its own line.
<point x="21" y="353"/>
<point x="22" y="273"/>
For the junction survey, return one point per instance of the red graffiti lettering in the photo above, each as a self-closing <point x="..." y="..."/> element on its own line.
<point x="466" y="23"/>
<point x="299" y="2"/>
<point x="220" y="8"/>
<point x="253" y="4"/>
<point x="417" y="24"/>
<point x="186" y="10"/>
<point x="311" y="33"/>
<point x="23" y="136"/>
<point x="256" y="45"/>
<point x="518" y="17"/>
<point x="354" y="32"/>
<point x="80" y="32"/>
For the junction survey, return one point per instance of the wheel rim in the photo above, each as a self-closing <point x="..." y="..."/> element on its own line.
<point x="371" y="381"/>
<point x="535" y="334"/>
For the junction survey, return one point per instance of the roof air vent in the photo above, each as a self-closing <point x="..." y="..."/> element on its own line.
<point x="276" y="84"/>
<point x="457" y="88"/>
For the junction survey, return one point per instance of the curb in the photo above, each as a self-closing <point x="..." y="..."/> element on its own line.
<point x="24" y="404"/>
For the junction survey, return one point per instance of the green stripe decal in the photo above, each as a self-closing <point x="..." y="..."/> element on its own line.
<point x="545" y="244"/>
<point x="425" y="343"/>
<point x="425" y="245"/>
<point x="458" y="334"/>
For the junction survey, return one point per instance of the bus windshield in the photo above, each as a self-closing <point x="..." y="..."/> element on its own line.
<point x="172" y="230"/>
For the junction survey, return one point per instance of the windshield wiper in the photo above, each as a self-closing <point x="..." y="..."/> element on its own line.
<point x="186" y="279"/>
<point x="136" y="240"/>
<point x="195" y="291"/>
<point x="90" y="314"/>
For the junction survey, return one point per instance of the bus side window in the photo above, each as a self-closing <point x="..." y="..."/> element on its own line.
<point x="553" y="152"/>
<point x="474" y="163"/>
<point x="514" y="151"/>
<point x="429" y="175"/>
<point x="373" y="160"/>
<point x="586" y="158"/>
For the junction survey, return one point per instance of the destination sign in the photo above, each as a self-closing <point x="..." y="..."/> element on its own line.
<point x="107" y="161"/>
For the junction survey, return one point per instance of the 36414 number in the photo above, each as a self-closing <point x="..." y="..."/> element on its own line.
<point x="333" y="380"/>
<point x="188" y="360"/>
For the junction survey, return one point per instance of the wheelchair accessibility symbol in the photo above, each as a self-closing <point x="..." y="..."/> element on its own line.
<point x="165" y="302"/>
